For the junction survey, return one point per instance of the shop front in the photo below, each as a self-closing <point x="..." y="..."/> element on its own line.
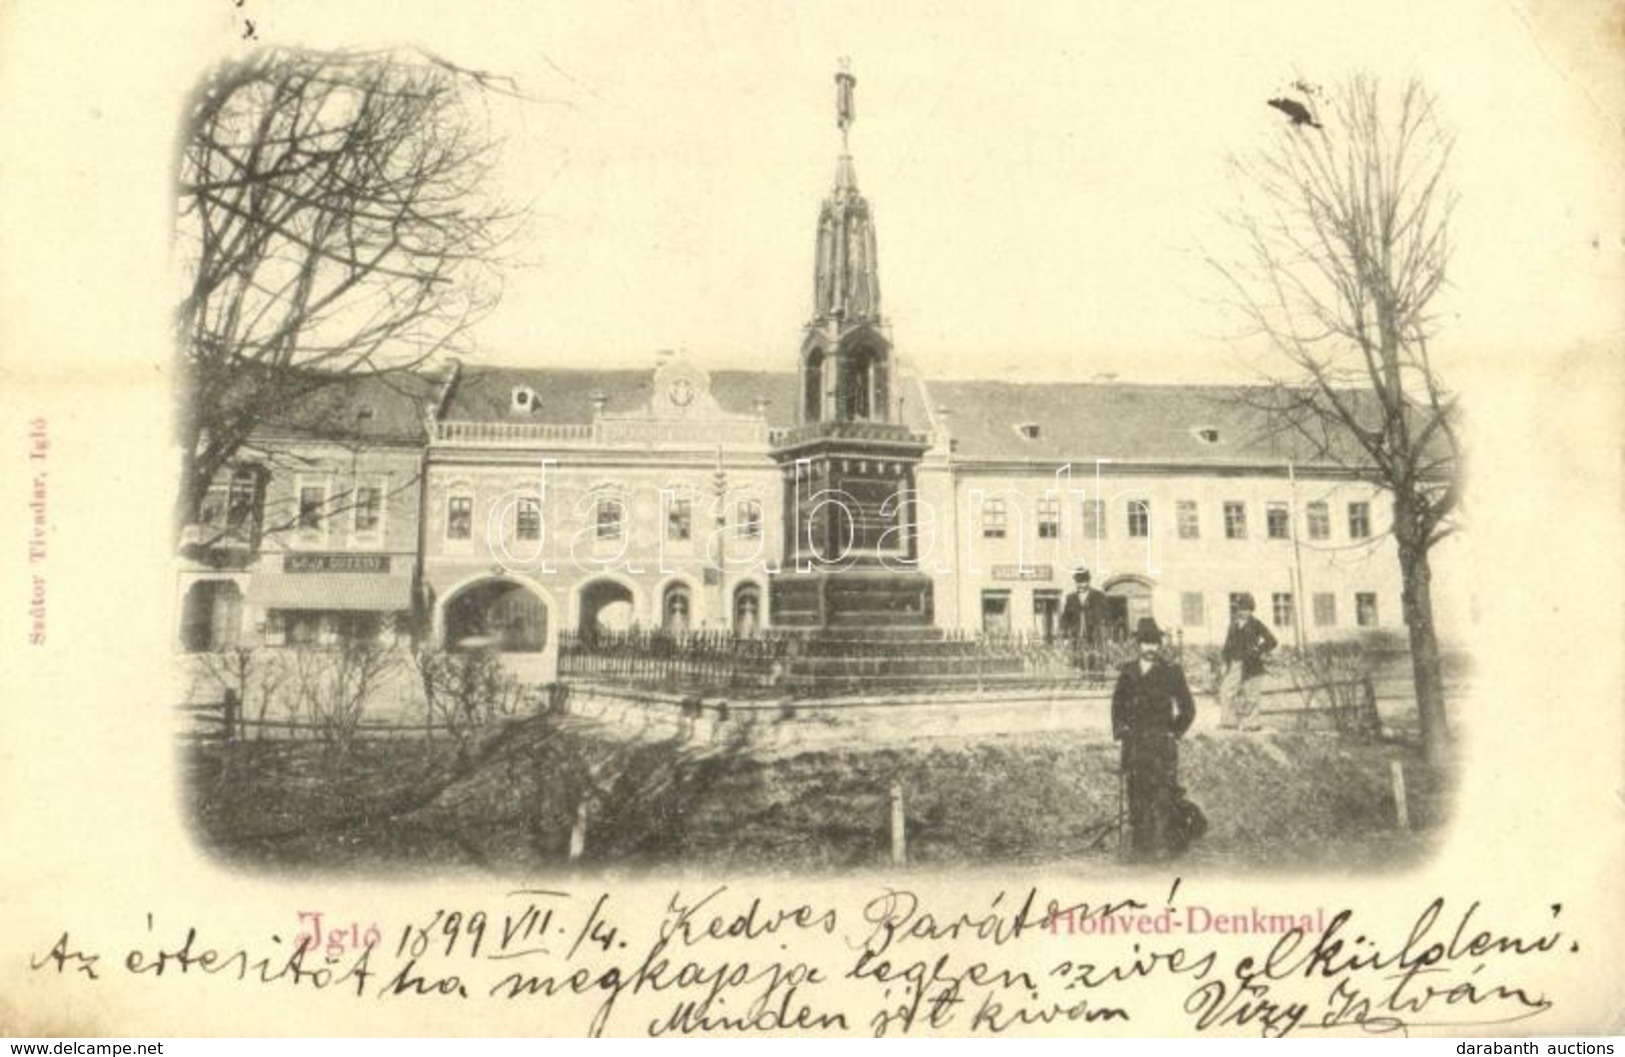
<point x="313" y="599"/>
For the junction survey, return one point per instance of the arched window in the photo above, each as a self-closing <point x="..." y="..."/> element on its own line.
<point x="812" y="387"/>
<point x="852" y="394"/>
<point x="675" y="609"/>
<point x="747" y="610"/>
<point x="861" y="393"/>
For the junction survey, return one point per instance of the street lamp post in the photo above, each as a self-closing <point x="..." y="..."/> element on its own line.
<point x="719" y="485"/>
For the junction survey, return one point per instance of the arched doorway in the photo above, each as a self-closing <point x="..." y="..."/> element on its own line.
<point x="747" y="610"/>
<point x="496" y="614"/>
<point x="676" y="609"/>
<point x="211" y="616"/>
<point x="1128" y="601"/>
<point x="606" y="606"/>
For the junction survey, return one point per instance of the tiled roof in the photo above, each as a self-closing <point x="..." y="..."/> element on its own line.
<point x="383" y="408"/>
<point x="484" y="394"/>
<point x="1205" y="424"/>
<point x="989" y="420"/>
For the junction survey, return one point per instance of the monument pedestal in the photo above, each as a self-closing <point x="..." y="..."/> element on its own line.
<point x="850" y="530"/>
<point x="874" y="601"/>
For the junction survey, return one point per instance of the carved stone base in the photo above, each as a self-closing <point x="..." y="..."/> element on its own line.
<point x="873" y="601"/>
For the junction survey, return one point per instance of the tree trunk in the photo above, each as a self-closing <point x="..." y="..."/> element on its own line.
<point x="1426" y="667"/>
<point x="193" y="488"/>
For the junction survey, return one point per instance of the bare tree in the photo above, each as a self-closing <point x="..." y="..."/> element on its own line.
<point x="336" y="219"/>
<point x="1344" y="220"/>
<point x="466" y="692"/>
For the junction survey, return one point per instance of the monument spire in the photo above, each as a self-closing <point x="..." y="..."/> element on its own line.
<point x="846" y="281"/>
<point x="849" y="441"/>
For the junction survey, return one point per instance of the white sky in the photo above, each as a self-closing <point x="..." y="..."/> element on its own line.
<point x="1043" y="175"/>
<point x="1042" y="179"/>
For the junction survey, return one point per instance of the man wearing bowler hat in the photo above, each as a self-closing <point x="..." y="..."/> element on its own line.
<point x="1245" y="646"/>
<point x="1083" y="619"/>
<point x="1151" y="709"/>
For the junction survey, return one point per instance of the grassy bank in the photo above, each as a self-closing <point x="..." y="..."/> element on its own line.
<point x="507" y="802"/>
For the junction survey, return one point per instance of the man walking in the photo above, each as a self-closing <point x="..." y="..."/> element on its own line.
<point x="1151" y="709"/>
<point x="1245" y="647"/>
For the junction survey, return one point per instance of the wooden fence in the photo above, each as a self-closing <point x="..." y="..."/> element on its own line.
<point x="224" y="721"/>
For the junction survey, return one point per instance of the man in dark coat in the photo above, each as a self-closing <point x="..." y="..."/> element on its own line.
<point x="1151" y="709"/>
<point x="1245" y="646"/>
<point x="1083" y="620"/>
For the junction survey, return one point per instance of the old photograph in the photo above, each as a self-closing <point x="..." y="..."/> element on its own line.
<point x="449" y="598"/>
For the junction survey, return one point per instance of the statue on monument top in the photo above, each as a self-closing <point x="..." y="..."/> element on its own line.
<point x="845" y="113"/>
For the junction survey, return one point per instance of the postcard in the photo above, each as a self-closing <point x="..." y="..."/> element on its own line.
<point x="783" y="519"/>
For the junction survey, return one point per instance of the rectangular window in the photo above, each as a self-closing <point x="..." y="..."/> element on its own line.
<point x="1139" y="518"/>
<point x="1235" y="521"/>
<point x="1192" y="609"/>
<point x="1365" y="609"/>
<point x="607" y="519"/>
<point x="368" y="501"/>
<point x="311" y="500"/>
<point x="460" y="517"/>
<point x="1281" y="609"/>
<point x="748" y="519"/>
<point x="1359" y="521"/>
<point x="1049" y="518"/>
<point x="1277" y="522"/>
<point x="1094" y="519"/>
<point x="241" y="499"/>
<point x="1320" y="520"/>
<point x="680" y="520"/>
<point x="1190" y="524"/>
<point x="528" y="519"/>
<point x="1325" y="609"/>
<point x="995" y="519"/>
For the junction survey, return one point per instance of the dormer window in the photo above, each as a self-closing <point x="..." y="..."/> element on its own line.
<point x="1029" y="430"/>
<point x="1207" y="434"/>
<point x="524" y="400"/>
<point x="363" y="414"/>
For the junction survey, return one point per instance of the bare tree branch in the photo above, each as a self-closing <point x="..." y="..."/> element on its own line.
<point x="336" y="219"/>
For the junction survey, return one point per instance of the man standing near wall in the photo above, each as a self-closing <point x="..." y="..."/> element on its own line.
<point x="1245" y="647"/>
<point x="1083" y="621"/>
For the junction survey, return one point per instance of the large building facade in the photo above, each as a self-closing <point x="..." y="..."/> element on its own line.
<point x="494" y="507"/>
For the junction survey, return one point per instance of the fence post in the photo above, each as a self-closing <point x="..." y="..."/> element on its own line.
<point x="578" y="832"/>
<point x="231" y="709"/>
<point x="899" y="838"/>
<point x="1402" y="809"/>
